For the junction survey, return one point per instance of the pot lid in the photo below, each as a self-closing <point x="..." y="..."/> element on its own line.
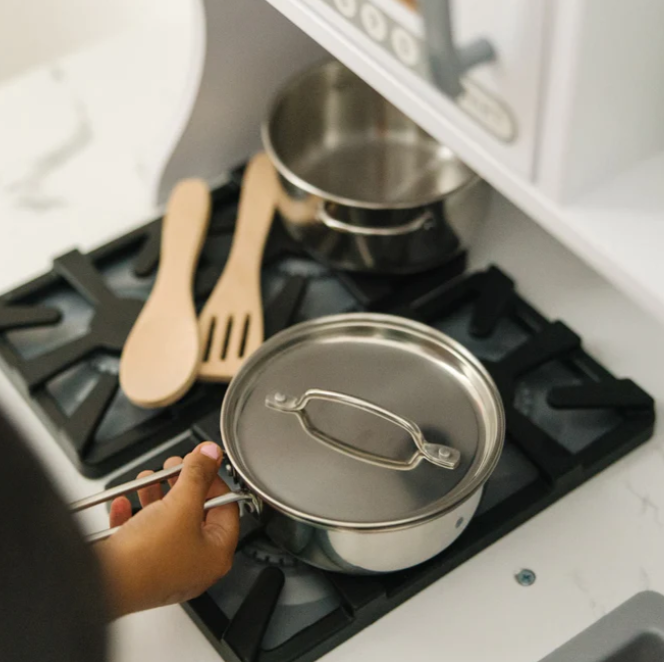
<point x="363" y="421"/>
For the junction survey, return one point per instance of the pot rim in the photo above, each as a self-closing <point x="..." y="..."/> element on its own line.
<point x="296" y="180"/>
<point x="457" y="496"/>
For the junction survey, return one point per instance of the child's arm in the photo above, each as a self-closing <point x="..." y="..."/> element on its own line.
<point x="171" y="551"/>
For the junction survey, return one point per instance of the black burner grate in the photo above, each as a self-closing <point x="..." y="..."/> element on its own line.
<point x="61" y="335"/>
<point x="567" y="419"/>
<point x="535" y="469"/>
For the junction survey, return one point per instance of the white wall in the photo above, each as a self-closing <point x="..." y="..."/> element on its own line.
<point x="33" y="32"/>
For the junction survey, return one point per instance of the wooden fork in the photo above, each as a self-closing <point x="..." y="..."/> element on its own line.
<point x="231" y="323"/>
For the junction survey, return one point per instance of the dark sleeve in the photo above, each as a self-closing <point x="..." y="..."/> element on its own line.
<point x="51" y="602"/>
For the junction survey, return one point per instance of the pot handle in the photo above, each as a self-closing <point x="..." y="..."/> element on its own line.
<point x="157" y="477"/>
<point x="418" y="223"/>
<point x="438" y="454"/>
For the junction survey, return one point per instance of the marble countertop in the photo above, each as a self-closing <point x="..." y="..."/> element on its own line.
<point x="82" y="146"/>
<point x="83" y="143"/>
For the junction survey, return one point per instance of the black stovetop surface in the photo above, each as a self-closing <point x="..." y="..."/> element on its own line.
<point x="567" y="416"/>
<point x="61" y="335"/>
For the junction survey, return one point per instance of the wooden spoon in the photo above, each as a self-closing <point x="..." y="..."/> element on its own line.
<point x="232" y="320"/>
<point x="160" y="359"/>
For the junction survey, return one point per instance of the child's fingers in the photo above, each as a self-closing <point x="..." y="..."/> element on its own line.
<point x="218" y="488"/>
<point x="222" y="524"/>
<point x="197" y="476"/>
<point x="150" y="493"/>
<point x="120" y="511"/>
<point x="172" y="462"/>
<point x="221" y="529"/>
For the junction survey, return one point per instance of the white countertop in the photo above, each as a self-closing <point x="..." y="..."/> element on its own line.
<point x="73" y="173"/>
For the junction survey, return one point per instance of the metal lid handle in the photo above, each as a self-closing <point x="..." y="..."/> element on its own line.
<point x="438" y="454"/>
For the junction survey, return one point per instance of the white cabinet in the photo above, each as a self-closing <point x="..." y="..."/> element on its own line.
<point x="504" y="95"/>
<point x="604" y="104"/>
<point x="498" y="101"/>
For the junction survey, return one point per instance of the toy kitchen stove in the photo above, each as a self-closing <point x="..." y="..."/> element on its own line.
<point x="567" y="417"/>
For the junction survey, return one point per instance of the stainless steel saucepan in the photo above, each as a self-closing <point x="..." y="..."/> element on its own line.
<point x="362" y="440"/>
<point x="363" y="187"/>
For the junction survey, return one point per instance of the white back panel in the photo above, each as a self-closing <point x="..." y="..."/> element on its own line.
<point x="251" y="50"/>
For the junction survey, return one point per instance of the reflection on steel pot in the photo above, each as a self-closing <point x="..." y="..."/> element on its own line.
<point x="362" y="186"/>
<point x="368" y="439"/>
<point x="369" y="552"/>
<point x="364" y="440"/>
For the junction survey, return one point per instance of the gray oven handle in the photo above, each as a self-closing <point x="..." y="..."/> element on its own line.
<point x="448" y="62"/>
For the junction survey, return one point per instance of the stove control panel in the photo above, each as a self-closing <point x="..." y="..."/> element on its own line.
<point x="399" y="32"/>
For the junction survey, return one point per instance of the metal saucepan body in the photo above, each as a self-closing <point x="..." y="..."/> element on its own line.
<point x="364" y="188"/>
<point x="349" y="509"/>
<point x="358" y="507"/>
<point x="358" y="552"/>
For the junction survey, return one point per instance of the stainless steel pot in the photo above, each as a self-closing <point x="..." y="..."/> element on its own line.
<point x="363" y="187"/>
<point x="363" y="439"/>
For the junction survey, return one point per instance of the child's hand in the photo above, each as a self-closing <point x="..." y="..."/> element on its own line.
<point x="171" y="551"/>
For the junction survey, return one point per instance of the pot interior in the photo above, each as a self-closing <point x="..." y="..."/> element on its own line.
<point x="342" y="140"/>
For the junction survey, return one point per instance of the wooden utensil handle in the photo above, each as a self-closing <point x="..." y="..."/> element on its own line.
<point x="255" y="213"/>
<point x="183" y="234"/>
